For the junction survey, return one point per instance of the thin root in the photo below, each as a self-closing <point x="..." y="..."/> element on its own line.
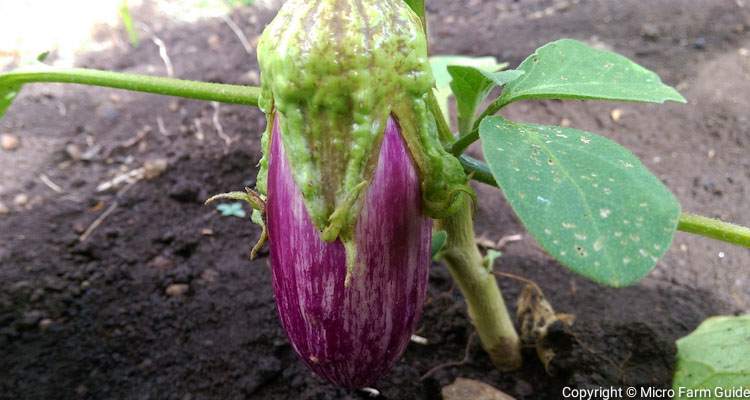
<point x="467" y="356"/>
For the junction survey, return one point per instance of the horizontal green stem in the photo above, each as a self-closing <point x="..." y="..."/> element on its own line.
<point x="714" y="229"/>
<point x="696" y="224"/>
<point x="478" y="170"/>
<point x="224" y="93"/>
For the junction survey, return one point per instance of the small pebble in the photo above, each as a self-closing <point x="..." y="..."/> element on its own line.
<point x="650" y="31"/>
<point x="565" y="122"/>
<point x="4" y="209"/>
<point x="177" y="289"/>
<point x="616" y="115"/>
<point x="174" y="106"/>
<point x="9" y="142"/>
<point x="74" y="152"/>
<point x="700" y="43"/>
<point x="161" y="262"/>
<point x="21" y="199"/>
<point x="45" y="323"/>
<point x="154" y="168"/>
<point x="31" y="318"/>
<point x="214" y="42"/>
<point x="210" y="275"/>
<point x="464" y="388"/>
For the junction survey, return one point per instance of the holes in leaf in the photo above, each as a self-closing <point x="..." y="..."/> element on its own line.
<point x="581" y="252"/>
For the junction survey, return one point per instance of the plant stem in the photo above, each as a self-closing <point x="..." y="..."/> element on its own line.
<point x="466" y="140"/>
<point x="690" y="223"/>
<point x="484" y="301"/>
<point x="715" y="229"/>
<point x="234" y="94"/>
<point x="458" y="147"/>
<point x="478" y="170"/>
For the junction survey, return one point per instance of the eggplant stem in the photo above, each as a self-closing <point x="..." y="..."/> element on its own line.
<point x="484" y="300"/>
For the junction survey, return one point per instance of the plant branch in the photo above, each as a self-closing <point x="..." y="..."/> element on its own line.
<point x="715" y="229"/>
<point x="690" y="223"/>
<point x="466" y="140"/>
<point x="224" y="93"/>
<point x="478" y="170"/>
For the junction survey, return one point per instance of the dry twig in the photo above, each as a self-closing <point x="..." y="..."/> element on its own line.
<point x="238" y="32"/>
<point x="98" y="221"/>
<point x="217" y="125"/>
<point x="52" y="185"/>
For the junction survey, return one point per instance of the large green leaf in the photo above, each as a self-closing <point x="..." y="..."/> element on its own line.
<point x="471" y="86"/>
<point x="716" y="356"/>
<point x="588" y="201"/>
<point x="569" y="69"/>
<point x="440" y="65"/>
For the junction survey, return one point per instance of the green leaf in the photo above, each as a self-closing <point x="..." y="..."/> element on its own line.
<point x="127" y="22"/>
<point x="417" y="6"/>
<point x="716" y="355"/>
<point x="489" y="259"/>
<point x="41" y="57"/>
<point x="471" y="86"/>
<point x="8" y="93"/>
<point x="443" y="78"/>
<point x="589" y="202"/>
<point x="438" y="241"/>
<point x="569" y="69"/>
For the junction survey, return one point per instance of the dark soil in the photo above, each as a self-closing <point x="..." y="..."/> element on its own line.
<point x="99" y="319"/>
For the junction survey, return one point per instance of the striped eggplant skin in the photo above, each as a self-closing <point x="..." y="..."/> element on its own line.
<point x="351" y="335"/>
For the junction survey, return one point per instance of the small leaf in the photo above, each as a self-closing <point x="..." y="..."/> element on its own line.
<point x="489" y="259"/>
<point x="443" y="78"/>
<point x="127" y="22"/>
<point x="231" y="210"/>
<point x="471" y="86"/>
<point x="438" y="241"/>
<point x="589" y="202"/>
<point x="8" y="93"/>
<point x="569" y="69"/>
<point x="41" y="57"/>
<point x="715" y="356"/>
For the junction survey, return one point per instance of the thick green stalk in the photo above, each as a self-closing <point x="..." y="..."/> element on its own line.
<point x="234" y="94"/>
<point x="690" y="223"/>
<point x="484" y="301"/>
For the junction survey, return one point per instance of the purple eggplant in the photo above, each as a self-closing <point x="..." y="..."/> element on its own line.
<point x="350" y="334"/>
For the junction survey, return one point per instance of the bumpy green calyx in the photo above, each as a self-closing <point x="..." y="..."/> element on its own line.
<point x="333" y="71"/>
